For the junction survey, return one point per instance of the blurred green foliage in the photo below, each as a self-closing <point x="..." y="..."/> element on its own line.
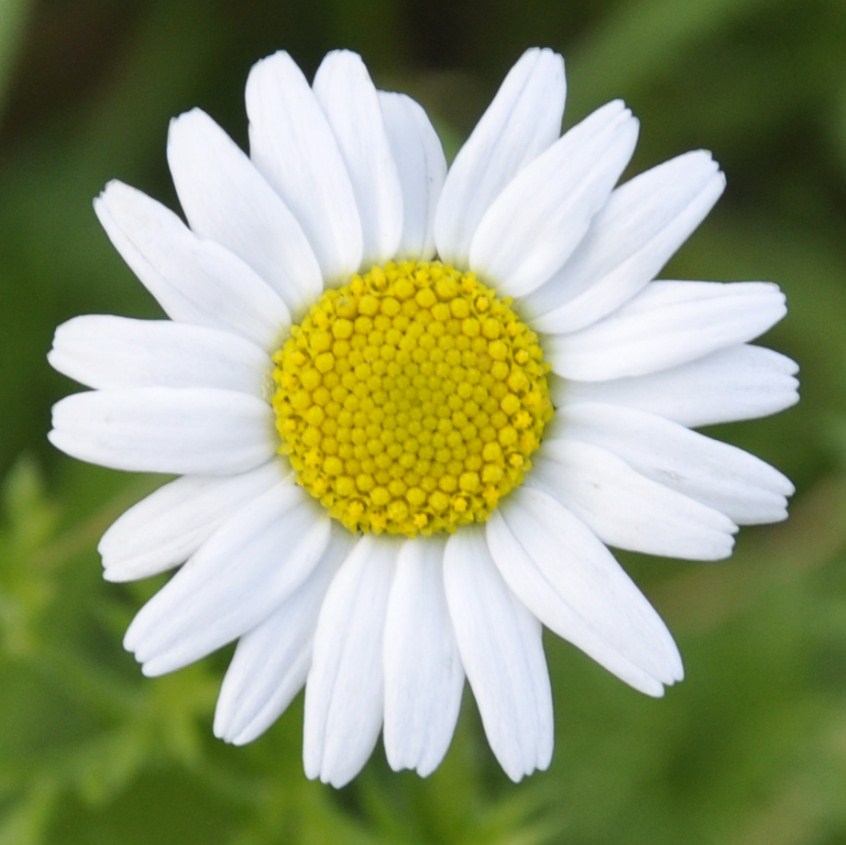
<point x="750" y="749"/>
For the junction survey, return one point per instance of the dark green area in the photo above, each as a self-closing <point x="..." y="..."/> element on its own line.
<point x="750" y="749"/>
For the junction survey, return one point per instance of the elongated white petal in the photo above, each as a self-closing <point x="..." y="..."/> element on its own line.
<point x="720" y="476"/>
<point x="194" y="280"/>
<point x="559" y="569"/>
<point x="501" y="649"/>
<point x="243" y="572"/>
<point x="630" y="239"/>
<point x="226" y="199"/>
<point x="294" y="147"/>
<point x="422" y="169"/>
<point x="271" y="661"/>
<point x="667" y="324"/>
<point x="423" y="674"/>
<point x="537" y="221"/>
<point x="344" y="691"/>
<point x="626" y="509"/>
<point x="104" y="352"/>
<point x="344" y="89"/>
<point x="162" y="429"/>
<point x="168" y="526"/>
<point x="739" y="383"/>
<point x="522" y="121"/>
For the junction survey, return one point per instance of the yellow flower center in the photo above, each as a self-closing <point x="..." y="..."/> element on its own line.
<point x="410" y="400"/>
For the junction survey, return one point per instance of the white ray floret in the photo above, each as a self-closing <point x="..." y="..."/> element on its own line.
<point x="738" y="383"/>
<point x="272" y="660"/>
<point x="194" y="280"/>
<point x="344" y="690"/>
<point x="168" y="526"/>
<point x="423" y="670"/>
<point x="105" y="352"/>
<point x="350" y="101"/>
<point x="293" y="146"/>
<point x="721" y="476"/>
<point x="667" y="324"/>
<point x="521" y="122"/>
<point x="233" y="582"/>
<point x="597" y="486"/>
<point x="531" y="228"/>
<point x="499" y="641"/>
<point x="228" y="201"/>
<point x="571" y="582"/>
<point x="163" y="429"/>
<point x="422" y="168"/>
<point x="630" y="239"/>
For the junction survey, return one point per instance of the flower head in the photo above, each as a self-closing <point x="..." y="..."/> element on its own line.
<point x="410" y="408"/>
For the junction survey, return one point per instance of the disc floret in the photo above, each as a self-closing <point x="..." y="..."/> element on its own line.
<point x="410" y="400"/>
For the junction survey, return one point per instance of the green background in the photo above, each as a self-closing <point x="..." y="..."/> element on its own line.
<point x="750" y="749"/>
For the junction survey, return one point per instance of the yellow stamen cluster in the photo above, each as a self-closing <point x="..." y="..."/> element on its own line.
<point x="410" y="400"/>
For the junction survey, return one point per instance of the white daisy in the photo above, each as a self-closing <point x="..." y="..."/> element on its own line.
<point x="390" y="474"/>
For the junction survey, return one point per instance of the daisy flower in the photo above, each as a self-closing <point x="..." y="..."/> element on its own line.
<point x="410" y="407"/>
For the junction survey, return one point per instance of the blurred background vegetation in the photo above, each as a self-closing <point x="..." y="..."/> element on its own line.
<point x="750" y="749"/>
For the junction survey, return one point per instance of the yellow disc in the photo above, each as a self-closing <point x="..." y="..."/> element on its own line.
<point x="410" y="400"/>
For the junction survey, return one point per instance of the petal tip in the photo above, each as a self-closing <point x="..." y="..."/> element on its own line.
<point x="110" y="189"/>
<point x="157" y="666"/>
<point x="113" y="575"/>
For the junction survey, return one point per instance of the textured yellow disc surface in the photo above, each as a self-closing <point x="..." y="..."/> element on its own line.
<point x="410" y="400"/>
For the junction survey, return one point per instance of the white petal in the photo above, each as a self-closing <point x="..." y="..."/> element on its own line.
<point x="537" y="221"/>
<point x="423" y="674"/>
<point x="348" y="97"/>
<point x="162" y="429"/>
<point x="246" y="569"/>
<point x="739" y="383"/>
<point x="294" y="147"/>
<point x="643" y="223"/>
<point x="422" y="168"/>
<point x="624" y="508"/>
<point x="104" y="352"/>
<point x="569" y="580"/>
<point x="343" y="701"/>
<point x="522" y="121"/>
<point x="168" y="526"/>
<point x="501" y="649"/>
<point x="271" y="662"/>
<point x="667" y="324"/>
<point x="720" y="476"/>
<point x="194" y="280"/>
<point x="226" y="199"/>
